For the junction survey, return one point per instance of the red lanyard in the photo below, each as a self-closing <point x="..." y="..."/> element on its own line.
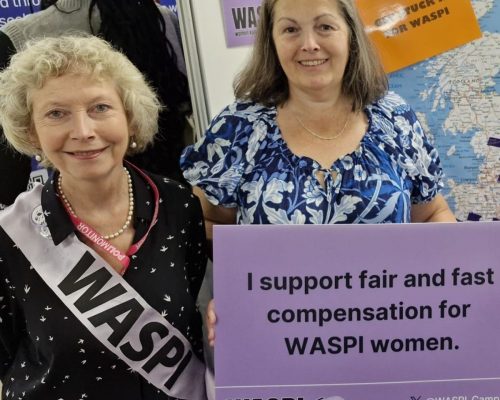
<point x="96" y="238"/>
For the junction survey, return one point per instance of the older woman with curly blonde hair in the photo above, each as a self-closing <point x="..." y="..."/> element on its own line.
<point x="101" y="266"/>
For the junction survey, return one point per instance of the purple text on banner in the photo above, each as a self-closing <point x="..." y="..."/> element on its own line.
<point x="240" y="21"/>
<point x="355" y="312"/>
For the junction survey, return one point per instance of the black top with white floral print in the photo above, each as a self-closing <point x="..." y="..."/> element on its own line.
<point x="47" y="354"/>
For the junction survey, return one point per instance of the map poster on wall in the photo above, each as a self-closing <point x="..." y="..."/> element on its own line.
<point x="349" y="312"/>
<point x="408" y="31"/>
<point x="240" y="21"/>
<point x="456" y="97"/>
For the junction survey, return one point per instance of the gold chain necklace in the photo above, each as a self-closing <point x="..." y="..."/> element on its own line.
<point x="317" y="134"/>
<point x="130" y="205"/>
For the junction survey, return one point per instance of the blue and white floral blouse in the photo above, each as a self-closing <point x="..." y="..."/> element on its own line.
<point x="243" y="162"/>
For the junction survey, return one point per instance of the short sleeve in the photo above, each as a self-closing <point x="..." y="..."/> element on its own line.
<point x="217" y="162"/>
<point x="420" y="159"/>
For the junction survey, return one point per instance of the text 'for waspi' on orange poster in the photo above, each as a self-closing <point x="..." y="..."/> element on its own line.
<point x="408" y="31"/>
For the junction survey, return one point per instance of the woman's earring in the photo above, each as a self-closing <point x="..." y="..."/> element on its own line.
<point x="38" y="157"/>
<point x="133" y="144"/>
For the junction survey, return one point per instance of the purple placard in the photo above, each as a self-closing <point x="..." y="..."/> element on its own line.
<point x="440" y="335"/>
<point x="240" y="21"/>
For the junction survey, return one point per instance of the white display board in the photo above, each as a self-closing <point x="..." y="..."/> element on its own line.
<point x="212" y="66"/>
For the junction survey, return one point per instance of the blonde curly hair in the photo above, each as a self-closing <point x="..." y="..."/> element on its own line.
<point x="74" y="54"/>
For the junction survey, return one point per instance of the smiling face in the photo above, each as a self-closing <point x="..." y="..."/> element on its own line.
<point x="80" y="125"/>
<point x="312" y="43"/>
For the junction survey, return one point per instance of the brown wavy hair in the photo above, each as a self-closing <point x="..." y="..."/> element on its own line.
<point x="263" y="80"/>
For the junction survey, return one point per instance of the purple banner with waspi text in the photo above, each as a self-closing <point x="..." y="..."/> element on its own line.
<point x="357" y="312"/>
<point x="240" y="21"/>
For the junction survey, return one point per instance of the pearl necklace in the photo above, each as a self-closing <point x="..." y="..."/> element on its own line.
<point x="318" y="135"/>
<point x="130" y="205"/>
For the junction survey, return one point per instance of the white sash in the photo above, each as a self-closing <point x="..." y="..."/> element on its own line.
<point x="105" y="303"/>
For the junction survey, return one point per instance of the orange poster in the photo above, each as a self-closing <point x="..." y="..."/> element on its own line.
<point x="408" y="31"/>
